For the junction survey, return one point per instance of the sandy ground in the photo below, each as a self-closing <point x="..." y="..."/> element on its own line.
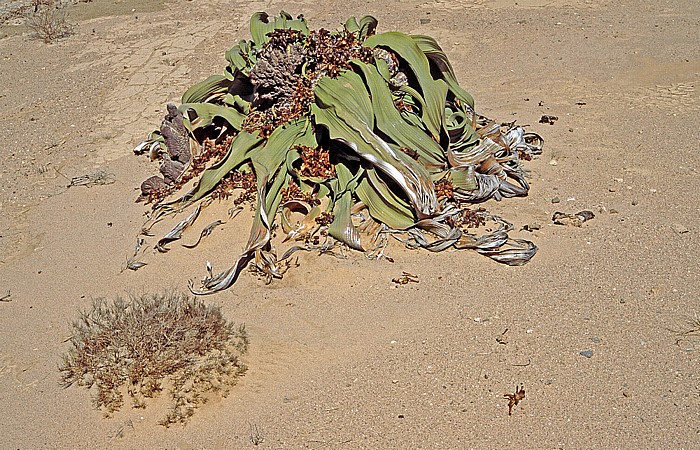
<point x="340" y="357"/>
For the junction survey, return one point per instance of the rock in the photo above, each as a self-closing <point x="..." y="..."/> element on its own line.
<point x="586" y="353"/>
<point x="531" y="227"/>
<point x="572" y="220"/>
<point x="680" y="228"/>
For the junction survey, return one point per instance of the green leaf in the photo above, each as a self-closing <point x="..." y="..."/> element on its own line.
<point x="433" y="92"/>
<point x="237" y="153"/>
<point x="463" y="178"/>
<point x="342" y="228"/>
<point x="235" y="101"/>
<point x="462" y="135"/>
<point x="348" y="90"/>
<point x="434" y="53"/>
<point x="260" y="25"/>
<point x="241" y="57"/>
<point x="211" y="89"/>
<point x="351" y="25"/>
<point x="344" y="126"/>
<point x="383" y="204"/>
<point x="367" y="26"/>
<point x="390" y="122"/>
<point x="206" y="112"/>
<point x="268" y="159"/>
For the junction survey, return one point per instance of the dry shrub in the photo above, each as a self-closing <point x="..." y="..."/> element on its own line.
<point x="152" y="341"/>
<point x="48" y="20"/>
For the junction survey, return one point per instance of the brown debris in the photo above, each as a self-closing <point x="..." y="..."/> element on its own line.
<point x="444" y="189"/>
<point x="294" y="192"/>
<point x="316" y="163"/>
<point x="410" y="152"/>
<point x="237" y="180"/>
<point x="471" y="218"/>
<point x="405" y="278"/>
<point x="548" y="119"/>
<point x="325" y="219"/>
<point x="514" y="399"/>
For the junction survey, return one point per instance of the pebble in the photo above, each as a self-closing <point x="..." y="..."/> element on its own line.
<point x="586" y="353"/>
<point x="680" y="229"/>
<point x="635" y="202"/>
<point x="556" y="200"/>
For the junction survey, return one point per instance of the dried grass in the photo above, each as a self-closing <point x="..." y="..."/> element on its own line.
<point x="48" y="20"/>
<point x="152" y="341"/>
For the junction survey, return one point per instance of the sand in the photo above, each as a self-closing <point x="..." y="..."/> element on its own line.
<point x="340" y="356"/>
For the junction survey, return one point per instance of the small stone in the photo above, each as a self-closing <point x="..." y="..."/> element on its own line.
<point x="612" y="189"/>
<point x="586" y="353"/>
<point x="553" y="162"/>
<point x="531" y="227"/>
<point x="635" y="202"/>
<point x="680" y="229"/>
<point x="556" y="200"/>
<point x="614" y="211"/>
<point x="595" y="340"/>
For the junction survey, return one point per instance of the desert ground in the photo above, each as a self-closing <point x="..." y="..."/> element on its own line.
<point x="340" y="356"/>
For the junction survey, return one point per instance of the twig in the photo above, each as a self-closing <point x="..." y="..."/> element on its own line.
<point x="256" y="435"/>
<point x="523" y="365"/>
<point x="6" y="298"/>
<point x="502" y="339"/>
<point x="514" y="399"/>
<point x="100" y="178"/>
